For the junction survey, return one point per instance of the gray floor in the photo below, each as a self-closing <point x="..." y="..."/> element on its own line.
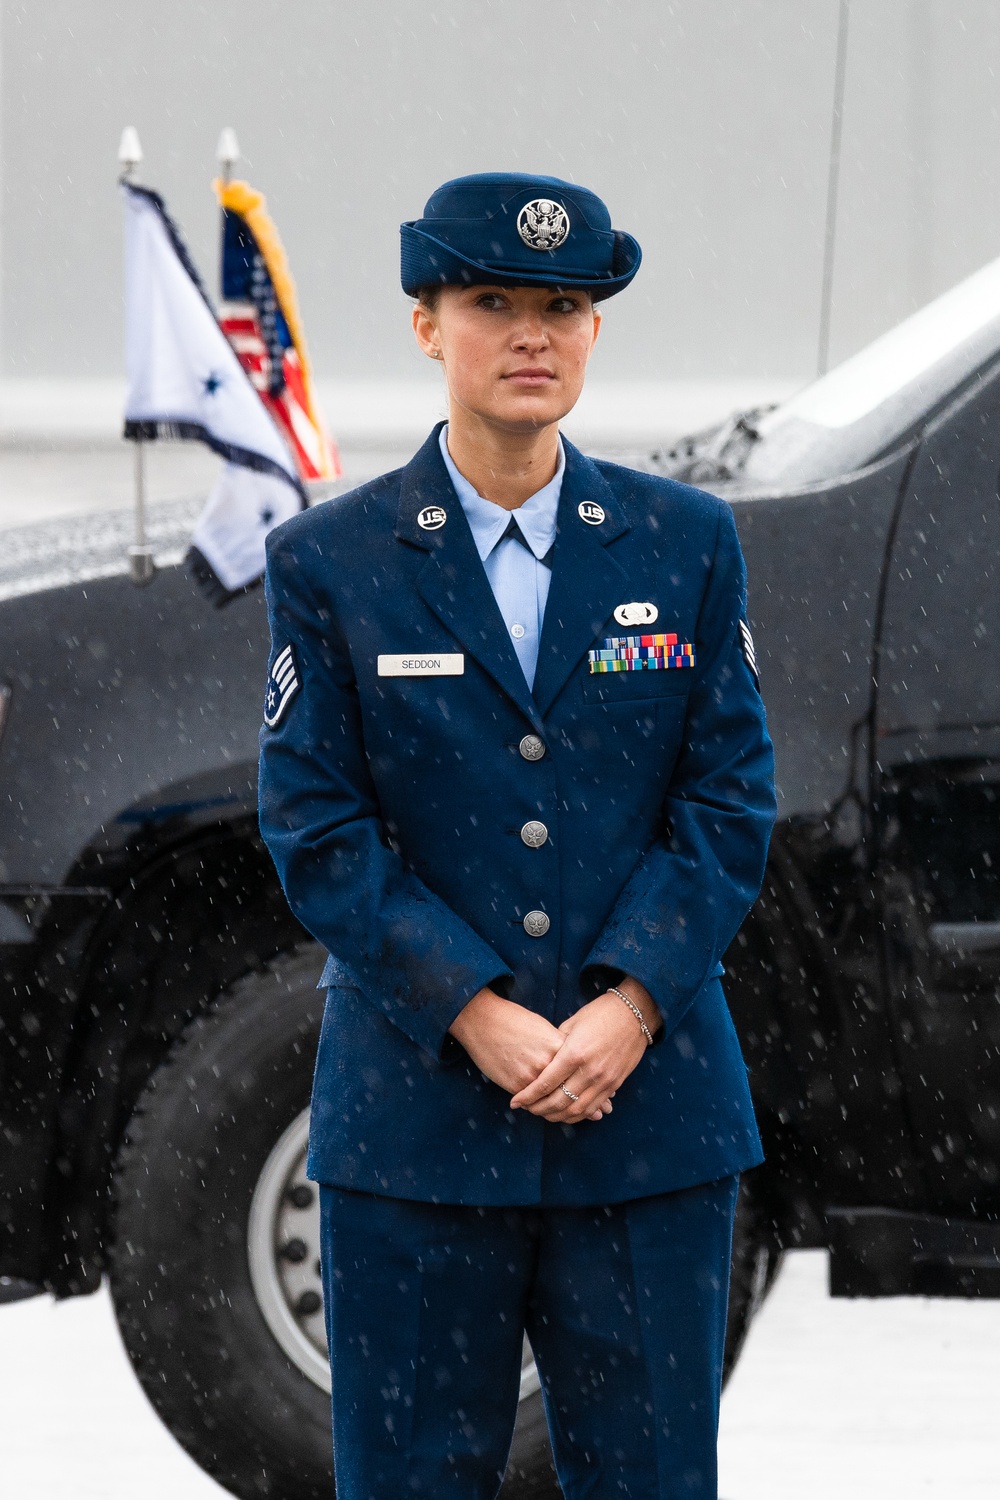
<point x="892" y="1400"/>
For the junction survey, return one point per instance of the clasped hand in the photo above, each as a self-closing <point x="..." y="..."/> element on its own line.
<point x="591" y="1053"/>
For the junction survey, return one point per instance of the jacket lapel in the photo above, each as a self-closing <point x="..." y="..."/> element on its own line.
<point x="453" y="582"/>
<point x="586" y="584"/>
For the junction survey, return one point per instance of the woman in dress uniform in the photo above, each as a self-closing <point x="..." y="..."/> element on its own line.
<point x="515" y="778"/>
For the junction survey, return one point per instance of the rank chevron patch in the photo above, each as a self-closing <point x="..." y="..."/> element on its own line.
<point x="282" y="685"/>
<point x="749" y="654"/>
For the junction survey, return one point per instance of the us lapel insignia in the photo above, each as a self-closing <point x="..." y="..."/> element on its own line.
<point x="641" y="653"/>
<point x="636" y="614"/>
<point x="432" y="517"/>
<point x="282" y="685"/>
<point x="591" y="512"/>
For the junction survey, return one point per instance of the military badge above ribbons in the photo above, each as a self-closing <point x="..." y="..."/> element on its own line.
<point x="641" y="653"/>
<point x="636" y="614"/>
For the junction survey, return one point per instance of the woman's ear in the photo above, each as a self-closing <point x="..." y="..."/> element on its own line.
<point x="425" y="331"/>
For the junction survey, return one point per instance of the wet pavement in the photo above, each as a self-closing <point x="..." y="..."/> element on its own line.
<point x="831" y="1401"/>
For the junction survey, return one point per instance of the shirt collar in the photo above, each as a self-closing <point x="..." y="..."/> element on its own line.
<point x="488" y="522"/>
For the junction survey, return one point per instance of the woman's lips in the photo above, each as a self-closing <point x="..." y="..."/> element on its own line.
<point x="531" y="375"/>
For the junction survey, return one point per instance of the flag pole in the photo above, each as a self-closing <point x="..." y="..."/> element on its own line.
<point x="227" y="154"/>
<point x="833" y="190"/>
<point x="141" y="564"/>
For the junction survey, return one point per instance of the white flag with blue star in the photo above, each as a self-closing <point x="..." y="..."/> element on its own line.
<point x="185" y="381"/>
<point x="227" y="544"/>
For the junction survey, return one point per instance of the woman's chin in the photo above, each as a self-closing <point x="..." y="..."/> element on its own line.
<point x="528" y="410"/>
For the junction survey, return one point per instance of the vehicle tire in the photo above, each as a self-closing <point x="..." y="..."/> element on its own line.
<point x="755" y="1264"/>
<point x="214" y="1266"/>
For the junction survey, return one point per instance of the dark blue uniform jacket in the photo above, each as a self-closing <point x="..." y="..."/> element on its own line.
<point x="393" y="809"/>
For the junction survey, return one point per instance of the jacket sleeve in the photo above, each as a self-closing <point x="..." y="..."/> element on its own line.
<point x="405" y="949"/>
<point x="688" y="895"/>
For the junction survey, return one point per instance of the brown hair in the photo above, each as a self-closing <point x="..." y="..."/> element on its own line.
<point x="429" y="296"/>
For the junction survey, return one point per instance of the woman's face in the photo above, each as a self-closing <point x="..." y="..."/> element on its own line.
<point x="514" y="356"/>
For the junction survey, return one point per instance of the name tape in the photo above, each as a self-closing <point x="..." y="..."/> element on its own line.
<point x="450" y="664"/>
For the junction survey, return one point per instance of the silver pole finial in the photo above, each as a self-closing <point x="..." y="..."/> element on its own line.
<point x="129" y="150"/>
<point x="227" y="152"/>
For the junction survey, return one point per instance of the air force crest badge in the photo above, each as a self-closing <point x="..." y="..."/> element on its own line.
<point x="283" y="682"/>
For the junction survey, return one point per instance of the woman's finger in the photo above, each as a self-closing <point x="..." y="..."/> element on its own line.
<point x="559" y="1070"/>
<point x="573" y="1115"/>
<point x="559" y="1108"/>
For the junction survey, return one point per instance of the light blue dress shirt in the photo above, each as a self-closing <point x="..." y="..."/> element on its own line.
<point x="519" y="580"/>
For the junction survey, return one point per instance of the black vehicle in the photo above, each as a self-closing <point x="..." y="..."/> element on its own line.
<point x="158" y="1008"/>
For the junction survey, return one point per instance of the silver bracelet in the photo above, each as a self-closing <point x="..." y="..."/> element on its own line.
<point x="635" y="1011"/>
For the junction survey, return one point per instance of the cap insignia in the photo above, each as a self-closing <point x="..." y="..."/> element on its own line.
<point x="543" y="224"/>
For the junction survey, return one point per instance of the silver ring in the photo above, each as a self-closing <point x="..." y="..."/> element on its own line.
<point x="575" y="1097"/>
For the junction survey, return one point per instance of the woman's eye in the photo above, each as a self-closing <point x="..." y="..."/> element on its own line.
<point x="564" y="305"/>
<point x="491" y="301"/>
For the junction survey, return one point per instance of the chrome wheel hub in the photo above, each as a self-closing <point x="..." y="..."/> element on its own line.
<point x="284" y="1254"/>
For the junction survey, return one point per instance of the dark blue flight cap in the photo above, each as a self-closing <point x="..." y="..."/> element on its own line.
<point x="511" y="229"/>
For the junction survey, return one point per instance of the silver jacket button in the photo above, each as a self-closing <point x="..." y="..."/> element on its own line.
<point x="536" y="924"/>
<point x="531" y="747"/>
<point x="534" y="835"/>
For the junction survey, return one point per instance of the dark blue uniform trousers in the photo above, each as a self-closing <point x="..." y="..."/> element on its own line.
<point x="625" y="1307"/>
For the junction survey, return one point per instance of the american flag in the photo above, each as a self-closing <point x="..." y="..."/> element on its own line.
<point x="260" y="317"/>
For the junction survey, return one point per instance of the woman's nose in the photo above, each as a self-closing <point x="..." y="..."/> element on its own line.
<point x="531" y="335"/>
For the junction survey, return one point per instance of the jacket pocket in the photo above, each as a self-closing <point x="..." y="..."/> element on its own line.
<point x="633" y="687"/>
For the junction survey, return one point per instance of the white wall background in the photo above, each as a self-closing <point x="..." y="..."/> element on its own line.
<point x="704" y="123"/>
